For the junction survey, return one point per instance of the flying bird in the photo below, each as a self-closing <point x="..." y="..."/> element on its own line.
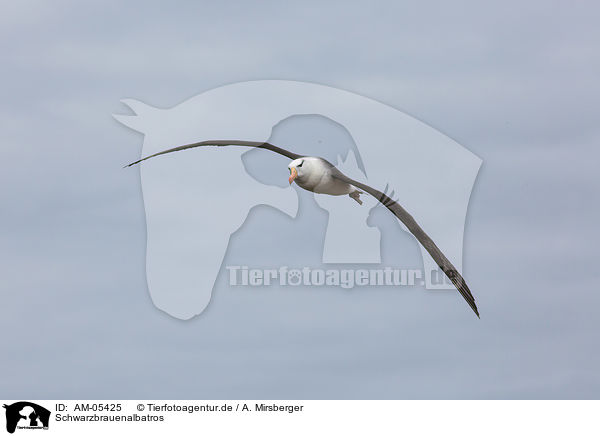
<point x="317" y="175"/>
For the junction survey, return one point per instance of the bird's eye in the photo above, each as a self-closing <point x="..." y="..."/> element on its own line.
<point x="300" y="164"/>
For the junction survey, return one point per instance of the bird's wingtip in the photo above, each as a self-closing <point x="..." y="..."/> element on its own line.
<point x="132" y="163"/>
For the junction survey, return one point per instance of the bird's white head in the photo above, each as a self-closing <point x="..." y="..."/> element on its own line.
<point x="298" y="168"/>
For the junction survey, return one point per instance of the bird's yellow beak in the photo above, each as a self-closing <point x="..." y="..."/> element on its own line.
<point x="293" y="175"/>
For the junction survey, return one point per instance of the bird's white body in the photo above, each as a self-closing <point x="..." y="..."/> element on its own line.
<point x="315" y="174"/>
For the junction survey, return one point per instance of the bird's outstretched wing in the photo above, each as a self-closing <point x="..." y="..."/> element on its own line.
<point x="420" y="234"/>
<point x="224" y="143"/>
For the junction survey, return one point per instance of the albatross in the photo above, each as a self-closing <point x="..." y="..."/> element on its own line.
<point x="317" y="175"/>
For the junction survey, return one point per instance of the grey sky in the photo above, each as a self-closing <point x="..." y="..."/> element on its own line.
<point x="516" y="84"/>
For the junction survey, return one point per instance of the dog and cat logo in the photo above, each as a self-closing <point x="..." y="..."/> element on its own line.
<point x="26" y="415"/>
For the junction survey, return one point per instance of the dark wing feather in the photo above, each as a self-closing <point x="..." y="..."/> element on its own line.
<point x="224" y="143"/>
<point x="421" y="236"/>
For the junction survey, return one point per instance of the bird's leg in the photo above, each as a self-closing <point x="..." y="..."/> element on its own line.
<point x="355" y="195"/>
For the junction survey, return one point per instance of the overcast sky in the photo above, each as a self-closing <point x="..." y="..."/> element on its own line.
<point x="517" y="84"/>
